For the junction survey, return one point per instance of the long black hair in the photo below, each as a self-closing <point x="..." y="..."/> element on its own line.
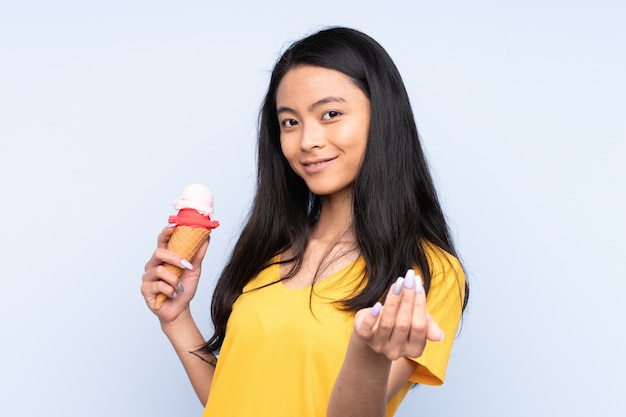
<point x="396" y="209"/>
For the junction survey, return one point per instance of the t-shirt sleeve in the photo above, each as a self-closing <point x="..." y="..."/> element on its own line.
<point x="444" y="302"/>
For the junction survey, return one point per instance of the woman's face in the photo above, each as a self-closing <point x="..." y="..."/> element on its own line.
<point x="324" y="122"/>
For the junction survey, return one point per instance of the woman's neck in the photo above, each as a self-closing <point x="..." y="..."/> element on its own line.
<point x="331" y="246"/>
<point x="335" y="219"/>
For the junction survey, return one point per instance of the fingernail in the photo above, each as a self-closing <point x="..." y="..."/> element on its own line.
<point x="175" y="295"/>
<point x="397" y="287"/>
<point x="186" y="264"/>
<point x="170" y="225"/>
<point x="376" y="309"/>
<point x="180" y="287"/>
<point x="418" y="285"/>
<point x="442" y="336"/>
<point x="409" y="279"/>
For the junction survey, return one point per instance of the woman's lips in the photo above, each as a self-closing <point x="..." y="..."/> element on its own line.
<point x="312" y="167"/>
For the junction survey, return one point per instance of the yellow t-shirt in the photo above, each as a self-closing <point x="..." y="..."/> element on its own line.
<point x="284" y="348"/>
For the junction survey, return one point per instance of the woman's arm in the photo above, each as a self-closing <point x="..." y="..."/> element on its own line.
<point x="174" y="315"/>
<point x="375" y="366"/>
<point x="186" y="339"/>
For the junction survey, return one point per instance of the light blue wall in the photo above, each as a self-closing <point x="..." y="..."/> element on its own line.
<point x="108" y="109"/>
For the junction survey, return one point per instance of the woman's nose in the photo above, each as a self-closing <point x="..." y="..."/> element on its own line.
<point x="312" y="137"/>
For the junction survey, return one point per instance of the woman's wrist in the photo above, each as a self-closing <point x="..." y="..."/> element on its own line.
<point x="183" y="333"/>
<point x="182" y="321"/>
<point x="362" y="352"/>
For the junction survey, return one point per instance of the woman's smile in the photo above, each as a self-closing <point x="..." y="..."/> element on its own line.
<point x="312" y="167"/>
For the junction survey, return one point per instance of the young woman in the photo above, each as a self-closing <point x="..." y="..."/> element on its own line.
<point x="344" y="280"/>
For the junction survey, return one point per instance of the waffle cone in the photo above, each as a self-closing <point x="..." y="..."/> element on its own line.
<point x="185" y="241"/>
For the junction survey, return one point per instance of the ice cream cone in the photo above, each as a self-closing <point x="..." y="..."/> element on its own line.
<point x="185" y="241"/>
<point x="194" y="225"/>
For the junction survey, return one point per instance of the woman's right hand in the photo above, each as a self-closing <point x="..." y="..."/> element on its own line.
<point x="157" y="279"/>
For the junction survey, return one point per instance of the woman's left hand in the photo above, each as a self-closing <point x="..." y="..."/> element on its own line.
<point x="401" y="327"/>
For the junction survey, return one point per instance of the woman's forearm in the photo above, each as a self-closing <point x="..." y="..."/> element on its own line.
<point x="186" y="338"/>
<point x="361" y="386"/>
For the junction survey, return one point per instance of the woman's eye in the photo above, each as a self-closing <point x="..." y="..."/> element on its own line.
<point x="289" y="123"/>
<point x="330" y="115"/>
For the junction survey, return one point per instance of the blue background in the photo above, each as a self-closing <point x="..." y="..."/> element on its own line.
<point x="108" y="109"/>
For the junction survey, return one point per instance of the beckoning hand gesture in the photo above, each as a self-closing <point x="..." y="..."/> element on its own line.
<point x="401" y="326"/>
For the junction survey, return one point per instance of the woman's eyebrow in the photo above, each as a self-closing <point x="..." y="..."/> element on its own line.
<point x="325" y="100"/>
<point x="284" y="109"/>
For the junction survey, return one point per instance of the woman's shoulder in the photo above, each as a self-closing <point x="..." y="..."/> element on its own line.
<point x="447" y="279"/>
<point x="269" y="274"/>
<point x="441" y="261"/>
